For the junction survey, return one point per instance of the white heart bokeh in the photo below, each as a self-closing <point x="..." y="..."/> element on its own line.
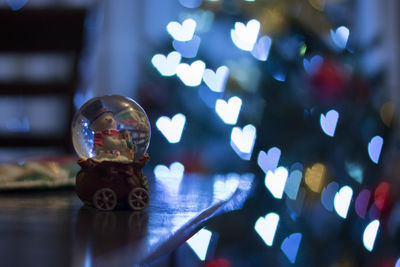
<point x="166" y="65"/>
<point x="261" y="48"/>
<point x="340" y="37"/>
<point x="228" y="111"/>
<point x="172" y="128"/>
<point x="199" y="243"/>
<point x="216" y="81"/>
<point x="191" y="75"/>
<point x="329" y="121"/>
<point x="342" y="201"/>
<point x="182" y="32"/>
<point x="375" y="148"/>
<point x="275" y="181"/>
<point x="170" y="177"/>
<point x="269" y="161"/>
<point x="370" y="233"/>
<point x="225" y="185"/>
<point x="266" y="227"/>
<point x="242" y="141"/>
<point x="245" y="36"/>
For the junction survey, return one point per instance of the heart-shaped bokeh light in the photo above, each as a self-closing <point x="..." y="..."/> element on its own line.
<point x="182" y="32"/>
<point x="266" y="227"/>
<point x="242" y="141"/>
<point x="228" y="111"/>
<point x="245" y="36"/>
<point x="172" y="128"/>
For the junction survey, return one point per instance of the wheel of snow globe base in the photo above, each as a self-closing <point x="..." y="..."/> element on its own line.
<point x="138" y="199"/>
<point x="105" y="199"/>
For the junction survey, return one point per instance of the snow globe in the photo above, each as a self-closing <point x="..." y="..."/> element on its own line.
<point x="111" y="135"/>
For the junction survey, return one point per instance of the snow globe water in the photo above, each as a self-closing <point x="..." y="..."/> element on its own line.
<point x="110" y="112"/>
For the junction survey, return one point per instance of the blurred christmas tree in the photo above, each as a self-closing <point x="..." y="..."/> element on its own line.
<point x="290" y="71"/>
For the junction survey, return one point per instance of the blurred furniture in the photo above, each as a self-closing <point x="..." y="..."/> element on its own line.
<point x="39" y="54"/>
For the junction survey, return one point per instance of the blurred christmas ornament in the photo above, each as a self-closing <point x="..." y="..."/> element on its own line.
<point x="330" y="81"/>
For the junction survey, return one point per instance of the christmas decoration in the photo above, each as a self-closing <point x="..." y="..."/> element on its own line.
<point x="111" y="135"/>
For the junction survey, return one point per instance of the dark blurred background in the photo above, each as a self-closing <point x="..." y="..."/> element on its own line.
<point x="315" y="80"/>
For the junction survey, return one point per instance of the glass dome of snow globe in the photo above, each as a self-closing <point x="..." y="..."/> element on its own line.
<point x="111" y="128"/>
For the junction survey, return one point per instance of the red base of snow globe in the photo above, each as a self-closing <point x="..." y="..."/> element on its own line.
<point x="110" y="184"/>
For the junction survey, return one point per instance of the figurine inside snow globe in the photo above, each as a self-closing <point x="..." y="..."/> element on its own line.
<point x="111" y="135"/>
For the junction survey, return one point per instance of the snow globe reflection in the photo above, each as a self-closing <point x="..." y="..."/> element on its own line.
<point x="111" y="135"/>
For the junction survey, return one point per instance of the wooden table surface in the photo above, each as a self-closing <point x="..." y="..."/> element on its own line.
<point x="53" y="228"/>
